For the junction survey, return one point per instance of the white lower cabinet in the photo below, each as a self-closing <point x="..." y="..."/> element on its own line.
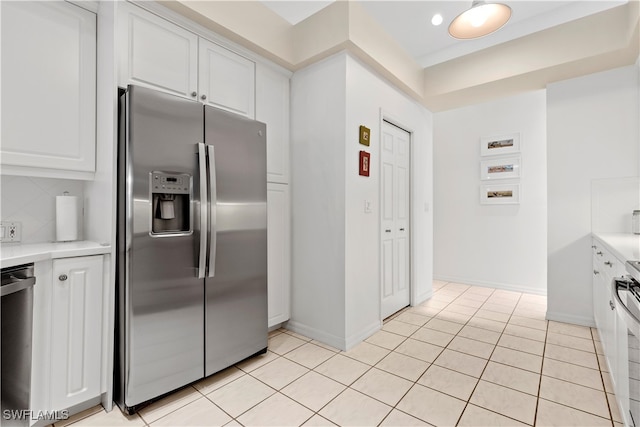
<point x="68" y="331"/>
<point x="279" y="253"/>
<point x="611" y="326"/>
<point x="76" y="330"/>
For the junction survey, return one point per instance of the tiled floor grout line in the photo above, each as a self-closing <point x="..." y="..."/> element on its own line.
<point x="484" y="369"/>
<point x="429" y="365"/>
<point x="544" y="351"/>
<point x="602" y="374"/>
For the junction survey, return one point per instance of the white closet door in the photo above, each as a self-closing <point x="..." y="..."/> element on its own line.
<point x="395" y="245"/>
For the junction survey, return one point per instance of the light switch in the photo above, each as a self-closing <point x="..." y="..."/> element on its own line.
<point x="367" y="206"/>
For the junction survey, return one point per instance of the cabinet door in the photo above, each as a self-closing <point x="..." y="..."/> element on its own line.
<point x="156" y="53"/>
<point x="76" y="345"/>
<point x="48" y="86"/>
<point x="272" y="108"/>
<point x="621" y="378"/>
<point x="279" y="253"/>
<point x="226" y="79"/>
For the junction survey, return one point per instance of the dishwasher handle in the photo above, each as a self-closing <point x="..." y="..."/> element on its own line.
<point x="17" y="286"/>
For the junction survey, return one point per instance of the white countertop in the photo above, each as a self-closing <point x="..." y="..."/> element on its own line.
<point x="15" y="253"/>
<point x="624" y="246"/>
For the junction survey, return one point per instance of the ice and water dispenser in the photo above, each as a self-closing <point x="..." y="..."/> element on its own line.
<point x="171" y="203"/>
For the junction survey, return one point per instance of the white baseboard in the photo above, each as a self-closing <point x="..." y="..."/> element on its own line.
<point x="307" y="331"/>
<point x="423" y="297"/>
<point x="569" y="318"/>
<point x="495" y="285"/>
<point x="365" y="333"/>
<point x="340" y="343"/>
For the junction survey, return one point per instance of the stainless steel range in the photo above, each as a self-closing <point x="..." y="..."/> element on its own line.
<point x="626" y="291"/>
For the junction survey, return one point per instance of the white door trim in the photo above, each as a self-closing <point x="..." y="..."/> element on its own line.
<point x="385" y="116"/>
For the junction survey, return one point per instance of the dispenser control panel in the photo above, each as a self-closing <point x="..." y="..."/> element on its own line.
<point x="170" y="183"/>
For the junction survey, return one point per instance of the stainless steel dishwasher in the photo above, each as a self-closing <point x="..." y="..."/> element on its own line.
<point x="16" y="312"/>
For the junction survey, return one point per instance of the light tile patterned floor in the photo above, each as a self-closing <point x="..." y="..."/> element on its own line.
<point x="470" y="356"/>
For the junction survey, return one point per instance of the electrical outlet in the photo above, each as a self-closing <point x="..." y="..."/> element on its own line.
<point x="10" y="231"/>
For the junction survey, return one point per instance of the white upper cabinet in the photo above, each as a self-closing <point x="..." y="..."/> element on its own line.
<point x="48" y="89"/>
<point x="162" y="55"/>
<point x="227" y="80"/>
<point x="156" y="53"/>
<point x="272" y="108"/>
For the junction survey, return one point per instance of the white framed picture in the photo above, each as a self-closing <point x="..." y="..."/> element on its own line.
<point x="502" y="168"/>
<point x="500" y="144"/>
<point x="499" y="194"/>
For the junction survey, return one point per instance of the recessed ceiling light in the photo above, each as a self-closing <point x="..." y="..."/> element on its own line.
<point x="437" y="19"/>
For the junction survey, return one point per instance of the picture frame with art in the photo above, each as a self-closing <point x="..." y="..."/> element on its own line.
<point x="500" y="168"/>
<point x="500" y="194"/>
<point x="500" y="144"/>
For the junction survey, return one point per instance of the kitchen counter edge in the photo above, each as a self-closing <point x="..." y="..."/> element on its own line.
<point x="12" y="254"/>
<point x="624" y="246"/>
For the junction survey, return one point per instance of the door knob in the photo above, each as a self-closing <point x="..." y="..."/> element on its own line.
<point x="609" y="263"/>
<point x="599" y="253"/>
<point x="402" y="229"/>
<point x="203" y="97"/>
<point x="62" y="277"/>
<point x="387" y="230"/>
<point x="194" y="93"/>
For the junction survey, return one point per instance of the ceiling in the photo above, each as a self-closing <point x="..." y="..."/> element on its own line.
<point x="409" y="22"/>
<point x="545" y="41"/>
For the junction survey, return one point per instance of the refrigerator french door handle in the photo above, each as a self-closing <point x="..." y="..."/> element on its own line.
<point x="212" y="210"/>
<point x="202" y="166"/>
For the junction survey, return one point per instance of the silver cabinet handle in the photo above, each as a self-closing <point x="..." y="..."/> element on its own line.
<point x="194" y="93"/>
<point x="612" y="305"/>
<point x="599" y="253"/>
<point x="609" y="263"/>
<point x="202" y="165"/>
<point x="402" y="229"/>
<point x="63" y="277"/>
<point x="212" y="210"/>
<point x="596" y="272"/>
<point x="203" y="97"/>
<point x="594" y="247"/>
<point x="387" y="230"/>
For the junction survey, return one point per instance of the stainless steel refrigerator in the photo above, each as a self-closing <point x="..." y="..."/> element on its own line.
<point x="192" y="243"/>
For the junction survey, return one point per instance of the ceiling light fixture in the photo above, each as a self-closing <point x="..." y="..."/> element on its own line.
<point x="437" y="19"/>
<point x="481" y="19"/>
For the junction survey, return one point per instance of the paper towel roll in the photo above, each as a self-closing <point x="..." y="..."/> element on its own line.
<point x="67" y="218"/>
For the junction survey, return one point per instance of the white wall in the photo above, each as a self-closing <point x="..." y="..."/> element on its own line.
<point x="335" y="244"/>
<point x="32" y="201"/>
<point x="318" y="97"/>
<point x="592" y="133"/>
<point x="367" y="95"/>
<point x="501" y="246"/>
